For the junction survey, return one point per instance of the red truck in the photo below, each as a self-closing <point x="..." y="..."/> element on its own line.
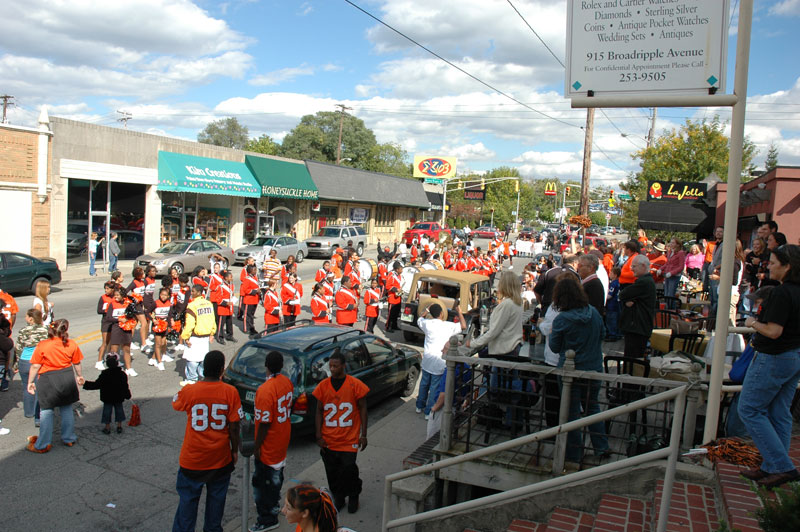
<point x="429" y="229"/>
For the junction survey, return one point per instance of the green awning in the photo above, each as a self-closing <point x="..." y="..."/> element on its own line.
<point x="282" y="179"/>
<point x="186" y="173"/>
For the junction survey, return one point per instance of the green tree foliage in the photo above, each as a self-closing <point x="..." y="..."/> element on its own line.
<point x="316" y="137"/>
<point x="772" y="157"/>
<point x="389" y="158"/>
<point x="689" y="153"/>
<point x="263" y="144"/>
<point x="226" y="132"/>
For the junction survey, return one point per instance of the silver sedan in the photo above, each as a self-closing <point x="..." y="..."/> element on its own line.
<point x="284" y="245"/>
<point x="185" y="256"/>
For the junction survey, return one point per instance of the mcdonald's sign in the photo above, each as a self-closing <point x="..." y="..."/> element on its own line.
<point x="550" y="189"/>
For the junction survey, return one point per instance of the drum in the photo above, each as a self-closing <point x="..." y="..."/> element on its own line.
<point x="438" y="263"/>
<point x="367" y="269"/>
<point x="407" y="278"/>
<point x="390" y="267"/>
<point x="427" y="266"/>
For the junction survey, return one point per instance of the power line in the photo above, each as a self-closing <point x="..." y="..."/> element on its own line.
<point x="498" y="91"/>
<point x="537" y="35"/>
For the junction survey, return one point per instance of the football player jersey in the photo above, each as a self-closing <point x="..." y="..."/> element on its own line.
<point x="341" y="421"/>
<point x="273" y="405"/>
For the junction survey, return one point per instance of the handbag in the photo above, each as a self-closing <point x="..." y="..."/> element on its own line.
<point x="739" y="367"/>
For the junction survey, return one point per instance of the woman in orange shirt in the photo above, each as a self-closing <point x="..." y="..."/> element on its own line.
<point x="57" y="363"/>
<point x="311" y="509"/>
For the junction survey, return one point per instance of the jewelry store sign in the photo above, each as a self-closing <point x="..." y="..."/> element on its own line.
<point x="643" y="46"/>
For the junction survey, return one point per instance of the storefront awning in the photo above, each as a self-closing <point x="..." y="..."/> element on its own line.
<point x="187" y="173"/>
<point x="282" y="179"/>
<point x="674" y="216"/>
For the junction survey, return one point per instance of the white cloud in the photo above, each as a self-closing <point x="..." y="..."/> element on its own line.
<point x="331" y="67"/>
<point x="305" y="8"/>
<point x="469" y="152"/>
<point x="362" y="91"/>
<point x="277" y="77"/>
<point x="786" y="7"/>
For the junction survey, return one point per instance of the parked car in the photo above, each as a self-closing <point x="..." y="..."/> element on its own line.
<point x="528" y="232"/>
<point x="331" y="237"/>
<point x="306" y="347"/>
<point x="185" y="255"/>
<point x="455" y="234"/>
<point x="415" y="232"/>
<point x="469" y="291"/>
<point x="284" y="245"/>
<point x="20" y="272"/>
<point x="485" y="231"/>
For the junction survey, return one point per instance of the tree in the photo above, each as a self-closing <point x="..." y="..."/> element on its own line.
<point x="226" y="132"/>
<point x="772" y="157"/>
<point x="263" y="144"/>
<point x="690" y="153"/>
<point x="388" y="158"/>
<point x="317" y="136"/>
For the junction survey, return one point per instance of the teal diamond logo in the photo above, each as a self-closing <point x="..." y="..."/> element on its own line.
<point x="577" y="85"/>
<point x="712" y="80"/>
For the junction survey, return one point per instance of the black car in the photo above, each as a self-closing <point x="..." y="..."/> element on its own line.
<point x="20" y="272"/>
<point x="306" y="347"/>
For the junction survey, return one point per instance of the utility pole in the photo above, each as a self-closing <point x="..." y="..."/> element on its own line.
<point x="651" y="135"/>
<point x="587" y="161"/>
<point x="124" y="118"/>
<point x="342" y="108"/>
<point x="6" y="102"/>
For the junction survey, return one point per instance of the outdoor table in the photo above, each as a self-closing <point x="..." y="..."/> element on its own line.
<point x="659" y="341"/>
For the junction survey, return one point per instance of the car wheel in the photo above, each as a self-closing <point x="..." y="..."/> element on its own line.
<point x="409" y="336"/>
<point x="299" y="257"/>
<point x="411" y="382"/>
<point x="360" y="250"/>
<point x="178" y="267"/>
<point x="35" y="281"/>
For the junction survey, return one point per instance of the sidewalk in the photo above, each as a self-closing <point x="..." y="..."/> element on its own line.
<point x="79" y="272"/>
<point x="391" y="440"/>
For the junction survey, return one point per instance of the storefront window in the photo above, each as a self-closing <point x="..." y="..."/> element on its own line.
<point x="326" y="215"/>
<point x="284" y="212"/>
<point x="257" y="220"/>
<point x="384" y="216"/>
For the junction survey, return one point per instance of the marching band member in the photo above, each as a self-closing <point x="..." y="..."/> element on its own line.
<point x="242" y="275"/>
<point x="199" y="277"/>
<point x="320" y="308"/>
<point x="328" y="290"/>
<point x="136" y="292"/>
<point x="447" y="258"/>
<point x="105" y="328"/>
<point x="351" y="270"/>
<point x="461" y="262"/>
<point x="251" y="290"/>
<point x="214" y="294"/>
<point x="291" y="292"/>
<point x="322" y="273"/>
<point x="414" y="250"/>
<point x="372" y="296"/>
<point x="225" y="308"/>
<point x="119" y="337"/>
<point x="383" y="271"/>
<point x="346" y="304"/>
<point x="161" y="308"/>
<point x="288" y="268"/>
<point x="394" y="294"/>
<point x="272" y="306"/>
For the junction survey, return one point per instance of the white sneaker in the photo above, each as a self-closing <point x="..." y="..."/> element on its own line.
<point x="99" y="366"/>
<point x="4" y="431"/>
<point x="134" y="345"/>
<point x="131" y="372"/>
<point x="427" y="416"/>
<point x="180" y="347"/>
<point x="167" y="358"/>
<point x="152" y="362"/>
<point x="418" y="410"/>
<point x="184" y="383"/>
<point x="148" y="350"/>
<point x="160" y="366"/>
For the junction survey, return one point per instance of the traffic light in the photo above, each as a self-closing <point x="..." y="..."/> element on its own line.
<point x="483" y="184"/>
<point x="611" y="194"/>
<point x="567" y="190"/>
<point x="516" y="185"/>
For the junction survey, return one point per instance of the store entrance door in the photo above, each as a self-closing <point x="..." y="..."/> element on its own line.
<point x="266" y="224"/>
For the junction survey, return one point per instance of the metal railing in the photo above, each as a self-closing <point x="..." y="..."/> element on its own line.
<point x="675" y="392"/>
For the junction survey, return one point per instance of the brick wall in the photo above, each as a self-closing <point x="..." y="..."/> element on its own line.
<point x="18" y="171"/>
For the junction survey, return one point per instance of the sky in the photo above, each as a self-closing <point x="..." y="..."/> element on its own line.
<point x="176" y="65"/>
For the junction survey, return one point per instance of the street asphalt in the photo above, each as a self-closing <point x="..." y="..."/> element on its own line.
<point x="127" y="482"/>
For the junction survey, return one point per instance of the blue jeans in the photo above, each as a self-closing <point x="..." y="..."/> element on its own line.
<point x="112" y="262"/>
<point x="734" y="428"/>
<point x="46" y="427"/>
<point x="92" y="258"/>
<point x="670" y="286"/>
<point x="267" y="483"/>
<point x="428" y="385"/>
<point x="764" y="404"/>
<point x="189" y="492"/>
<point x="30" y="402"/>
<point x="713" y="295"/>
<point x="119" y="413"/>
<point x="584" y="394"/>
<point x="194" y="371"/>
<point x="612" y="324"/>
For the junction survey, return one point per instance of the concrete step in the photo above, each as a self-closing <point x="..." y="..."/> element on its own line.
<point x="522" y="525"/>
<point x="693" y="508"/>
<point x="738" y="500"/>
<point x="620" y="514"/>
<point x="565" y="520"/>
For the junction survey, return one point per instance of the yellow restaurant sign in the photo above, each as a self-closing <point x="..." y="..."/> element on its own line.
<point x="432" y="167"/>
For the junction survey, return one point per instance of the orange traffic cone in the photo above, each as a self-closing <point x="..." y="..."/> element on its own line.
<point x="136" y="418"/>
